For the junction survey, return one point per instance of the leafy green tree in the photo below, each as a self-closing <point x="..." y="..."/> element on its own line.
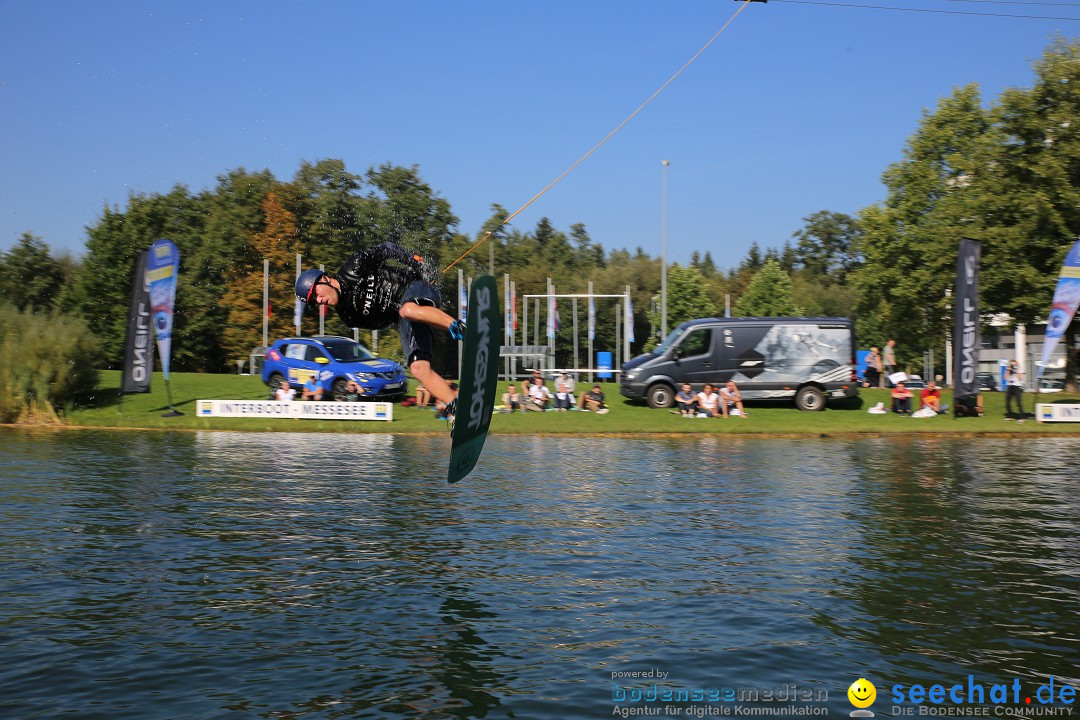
<point x="909" y="242"/>
<point x="1008" y="176"/>
<point x="277" y="243"/>
<point x="224" y="219"/>
<point x="827" y="245"/>
<point x="754" y="260"/>
<point x="407" y="212"/>
<point x="496" y="231"/>
<point x="103" y="287"/>
<point x="788" y="258"/>
<point x="822" y="299"/>
<point x="332" y="216"/>
<point x="769" y="294"/>
<point x="1028" y="187"/>
<point x="589" y="254"/>
<point x="687" y="299"/>
<point x="703" y="263"/>
<point x="738" y="279"/>
<point x="29" y="276"/>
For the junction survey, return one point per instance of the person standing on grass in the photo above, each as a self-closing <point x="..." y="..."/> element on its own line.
<point x="888" y="362"/>
<point x="872" y="375"/>
<point x="1014" y="391"/>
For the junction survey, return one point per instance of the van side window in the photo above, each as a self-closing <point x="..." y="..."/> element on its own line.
<point x="312" y="353"/>
<point x="696" y="343"/>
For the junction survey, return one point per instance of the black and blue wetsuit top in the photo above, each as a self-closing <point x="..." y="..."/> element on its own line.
<point x="373" y="283"/>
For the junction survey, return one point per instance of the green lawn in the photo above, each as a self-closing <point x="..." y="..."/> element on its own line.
<point x="110" y="409"/>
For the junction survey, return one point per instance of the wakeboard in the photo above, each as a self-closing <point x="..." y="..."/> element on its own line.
<point x="479" y="376"/>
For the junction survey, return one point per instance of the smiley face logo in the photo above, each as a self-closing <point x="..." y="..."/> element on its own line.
<point x="862" y="693"/>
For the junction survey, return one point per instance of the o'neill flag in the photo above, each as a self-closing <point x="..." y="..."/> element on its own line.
<point x="139" y="346"/>
<point x="966" y="324"/>
<point x="162" y="269"/>
<point x="1066" y="299"/>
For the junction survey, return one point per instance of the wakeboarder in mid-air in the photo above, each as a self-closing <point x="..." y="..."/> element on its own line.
<point x="379" y="286"/>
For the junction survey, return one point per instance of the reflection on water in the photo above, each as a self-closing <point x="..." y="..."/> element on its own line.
<point x="311" y="575"/>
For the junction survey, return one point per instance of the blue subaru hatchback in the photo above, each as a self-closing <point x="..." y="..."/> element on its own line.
<point x="333" y="361"/>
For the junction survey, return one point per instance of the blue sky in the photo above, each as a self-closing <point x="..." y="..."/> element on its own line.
<point x="795" y="108"/>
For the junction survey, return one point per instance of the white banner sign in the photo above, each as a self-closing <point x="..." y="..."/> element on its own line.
<point x="1050" y="412"/>
<point x="297" y="409"/>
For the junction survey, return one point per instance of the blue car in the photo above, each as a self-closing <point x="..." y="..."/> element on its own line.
<point x="334" y="361"/>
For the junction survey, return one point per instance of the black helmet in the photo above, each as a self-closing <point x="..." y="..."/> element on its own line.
<point x="306" y="282"/>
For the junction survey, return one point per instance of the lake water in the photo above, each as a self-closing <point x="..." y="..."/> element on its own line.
<point x="247" y="575"/>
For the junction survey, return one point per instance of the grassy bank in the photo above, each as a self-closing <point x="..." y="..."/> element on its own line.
<point x="110" y="409"/>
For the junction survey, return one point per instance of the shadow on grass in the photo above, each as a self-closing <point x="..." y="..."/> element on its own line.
<point x="854" y="403"/>
<point x="107" y="397"/>
<point x="102" y="397"/>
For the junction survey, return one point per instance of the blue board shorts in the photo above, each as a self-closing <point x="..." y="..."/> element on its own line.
<point x="417" y="340"/>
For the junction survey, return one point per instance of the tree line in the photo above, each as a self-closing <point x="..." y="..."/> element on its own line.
<point x="1006" y="173"/>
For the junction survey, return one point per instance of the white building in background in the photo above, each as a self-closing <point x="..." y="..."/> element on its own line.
<point x="1026" y="345"/>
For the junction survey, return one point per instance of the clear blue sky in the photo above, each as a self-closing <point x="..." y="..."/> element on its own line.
<point x="795" y="108"/>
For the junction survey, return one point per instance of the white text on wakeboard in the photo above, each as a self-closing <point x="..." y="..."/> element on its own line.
<point x="480" y="372"/>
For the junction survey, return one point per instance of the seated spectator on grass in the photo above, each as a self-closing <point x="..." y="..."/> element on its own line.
<point x="526" y="385"/>
<point x="564" y="399"/>
<point x="708" y="402"/>
<point x="901" y="399"/>
<point x="353" y="391"/>
<point x="731" y="400"/>
<point x="970" y="406"/>
<point x="930" y="397"/>
<point x="512" y="399"/>
<point x="285" y="392"/>
<point x="593" y="401"/>
<point x="423" y="396"/>
<point x="539" y="396"/>
<point x="565" y="379"/>
<point x="312" y="389"/>
<point x="685" y="400"/>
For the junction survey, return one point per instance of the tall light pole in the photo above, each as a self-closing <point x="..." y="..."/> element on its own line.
<point x="663" y="253"/>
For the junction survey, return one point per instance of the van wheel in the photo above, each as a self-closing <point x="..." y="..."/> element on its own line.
<point x="810" y="398"/>
<point x="274" y="381"/>
<point x="660" y="396"/>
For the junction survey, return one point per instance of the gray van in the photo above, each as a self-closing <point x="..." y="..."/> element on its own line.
<point x="808" y="359"/>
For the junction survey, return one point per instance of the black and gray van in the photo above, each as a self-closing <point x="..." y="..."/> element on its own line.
<point x="809" y="359"/>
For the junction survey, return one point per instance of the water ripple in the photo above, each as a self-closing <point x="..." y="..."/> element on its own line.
<point x="234" y="575"/>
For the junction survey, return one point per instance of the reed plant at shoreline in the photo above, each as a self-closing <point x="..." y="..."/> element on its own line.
<point x="47" y="360"/>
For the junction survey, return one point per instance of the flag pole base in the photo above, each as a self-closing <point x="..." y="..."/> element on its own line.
<point x="172" y="413"/>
